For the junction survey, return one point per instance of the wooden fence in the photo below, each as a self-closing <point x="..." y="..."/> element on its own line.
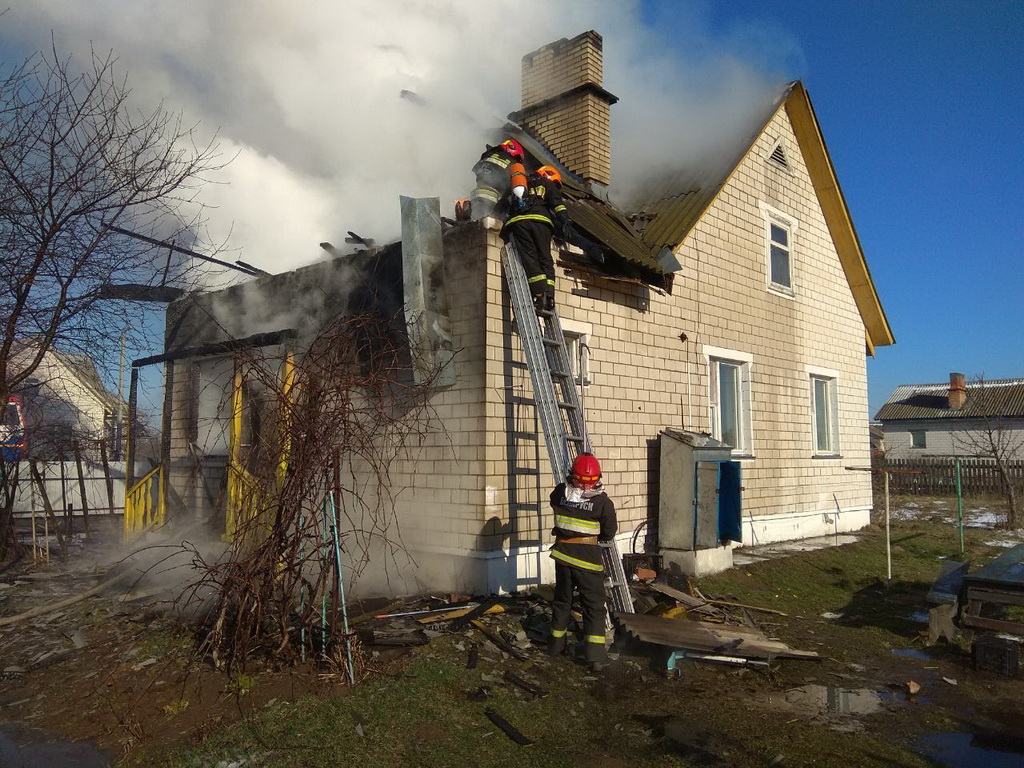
<point x="936" y="475"/>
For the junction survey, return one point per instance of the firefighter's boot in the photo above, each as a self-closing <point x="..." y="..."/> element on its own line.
<point x="556" y="645"/>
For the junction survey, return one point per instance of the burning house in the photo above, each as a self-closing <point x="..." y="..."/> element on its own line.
<point x="727" y="324"/>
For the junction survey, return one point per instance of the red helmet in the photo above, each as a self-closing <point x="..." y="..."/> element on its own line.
<point x="513" y="148"/>
<point x="586" y="471"/>
<point x="550" y="174"/>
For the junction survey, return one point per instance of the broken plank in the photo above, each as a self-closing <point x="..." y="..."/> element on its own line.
<point x="458" y="613"/>
<point x="526" y="685"/>
<point x="498" y="641"/>
<point x="708" y="638"/>
<point x="748" y="607"/>
<point x="508" y="729"/>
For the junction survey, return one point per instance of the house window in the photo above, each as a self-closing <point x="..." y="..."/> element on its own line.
<point x="729" y="398"/>
<point x="918" y="438"/>
<point x="576" y="335"/>
<point x="779" y="231"/>
<point x="824" y="410"/>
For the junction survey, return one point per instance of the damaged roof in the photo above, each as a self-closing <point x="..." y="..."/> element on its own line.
<point x="999" y="398"/>
<point x="672" y="206"/>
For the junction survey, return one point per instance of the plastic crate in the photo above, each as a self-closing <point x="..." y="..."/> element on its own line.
<point x="996" y="654"/>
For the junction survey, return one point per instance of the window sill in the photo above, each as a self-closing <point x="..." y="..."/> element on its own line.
<point x="781" y="290"/>
<point x="827" y="456"/>
<point x="744" y="456"/>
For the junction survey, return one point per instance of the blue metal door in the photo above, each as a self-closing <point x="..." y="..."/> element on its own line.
<point x="730" y="507"/>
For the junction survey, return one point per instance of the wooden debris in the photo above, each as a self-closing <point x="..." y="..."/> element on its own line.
<point x="403" y="638"/>
<point x="709" y="638"/>
<point x="526" y="685"/>
<point x="509" y="730"/>
<point x="458" y="613"/>
<point x="498" y="641"/>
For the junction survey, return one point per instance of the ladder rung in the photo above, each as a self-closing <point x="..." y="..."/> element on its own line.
<point x="551" y="342"/>
<point x="568" y="406"/>
<point x="574" y="439"/>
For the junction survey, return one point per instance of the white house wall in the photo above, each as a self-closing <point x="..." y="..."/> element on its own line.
<point x="949" y="438"/>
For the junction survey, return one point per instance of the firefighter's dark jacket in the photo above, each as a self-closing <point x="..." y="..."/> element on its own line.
<point x="542" y="202"/>
<point x="594" y="516"/>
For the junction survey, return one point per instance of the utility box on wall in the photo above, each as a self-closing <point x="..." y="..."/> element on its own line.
<point x="699" y="506"/>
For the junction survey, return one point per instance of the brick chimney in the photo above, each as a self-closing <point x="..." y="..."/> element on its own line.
<point x="566" y="107"/>
<point x="957" y="390"/>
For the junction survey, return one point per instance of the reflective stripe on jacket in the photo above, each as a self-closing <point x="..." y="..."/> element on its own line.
<point x="594" y="516"/>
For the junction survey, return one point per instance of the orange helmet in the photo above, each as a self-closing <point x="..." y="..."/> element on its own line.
<point x="513" y="148"/>
<point x="550" y="174"/>
<point x="586" y="471"/>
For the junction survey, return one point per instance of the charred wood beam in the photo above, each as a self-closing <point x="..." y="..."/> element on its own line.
<point x="511" y="731"/>
<point x="220" y="347"/>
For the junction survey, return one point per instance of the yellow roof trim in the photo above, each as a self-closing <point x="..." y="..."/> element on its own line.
<point x="837" y="217"/>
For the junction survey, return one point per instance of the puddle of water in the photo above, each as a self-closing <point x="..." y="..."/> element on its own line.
<point x="831" y="699"/>
<point x="27" y="747"/>
<point x="921" y="617"/>
<point x="964" y="750"/>
<point x="911" y="653"/>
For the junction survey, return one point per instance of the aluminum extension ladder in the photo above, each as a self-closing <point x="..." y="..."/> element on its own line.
<point x="558" y="403"/>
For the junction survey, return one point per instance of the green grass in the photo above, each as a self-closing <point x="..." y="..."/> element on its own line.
<point x="420" y="715"/>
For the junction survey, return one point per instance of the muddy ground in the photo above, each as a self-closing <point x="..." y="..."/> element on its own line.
<point x="115" y="671"/>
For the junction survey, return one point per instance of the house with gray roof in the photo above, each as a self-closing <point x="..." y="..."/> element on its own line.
<point x="735" y="309"/>
<point x="958" y="418"/>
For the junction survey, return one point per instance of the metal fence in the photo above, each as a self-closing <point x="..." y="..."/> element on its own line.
<point x="936" y="475"/>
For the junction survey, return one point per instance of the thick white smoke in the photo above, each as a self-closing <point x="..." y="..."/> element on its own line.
<point x="336" y="109"/>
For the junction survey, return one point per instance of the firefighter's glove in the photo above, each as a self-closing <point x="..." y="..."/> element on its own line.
<point x="563" y="227"/>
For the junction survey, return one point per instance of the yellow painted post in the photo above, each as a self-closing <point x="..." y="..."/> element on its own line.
<point x="234" y="458"/>
<point x="287" y="387"/>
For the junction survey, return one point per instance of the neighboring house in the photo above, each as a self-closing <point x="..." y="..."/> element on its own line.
<point x="954" y="419"/>
<point x="65" y="402"/>
<point x="740" y="307"/>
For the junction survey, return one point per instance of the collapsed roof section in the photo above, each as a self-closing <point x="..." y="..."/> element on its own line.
<point x="564" y="122"/>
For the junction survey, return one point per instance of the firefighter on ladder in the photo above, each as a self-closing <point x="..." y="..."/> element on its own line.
<point x="531" y="225"/>
<point x="492" y="173"/>
<point x="584" y="515"/>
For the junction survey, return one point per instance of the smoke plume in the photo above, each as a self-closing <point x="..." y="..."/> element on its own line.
<point x="332" y="110"/>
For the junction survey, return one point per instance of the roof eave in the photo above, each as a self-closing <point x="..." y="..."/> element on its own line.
<point x="837" y="217"/>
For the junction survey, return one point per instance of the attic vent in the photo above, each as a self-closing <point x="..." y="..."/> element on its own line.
<point x="778" y="156"/>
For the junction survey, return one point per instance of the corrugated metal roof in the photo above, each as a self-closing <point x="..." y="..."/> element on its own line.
<point x="999" y="398"/>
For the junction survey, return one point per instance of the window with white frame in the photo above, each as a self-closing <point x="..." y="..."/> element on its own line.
<point x="824" y="413"/>
<point x="779" y="230"/>
<point x="576" y="335"/>
<point x="729" y="398"/>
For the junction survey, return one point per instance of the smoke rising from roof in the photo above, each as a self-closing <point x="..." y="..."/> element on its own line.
<point x="336" y="109"/>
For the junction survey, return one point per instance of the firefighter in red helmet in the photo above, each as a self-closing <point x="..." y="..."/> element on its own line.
<point x="492" y="177"/>
<point x="584" y="515"/>
<point x="531" y="227"/>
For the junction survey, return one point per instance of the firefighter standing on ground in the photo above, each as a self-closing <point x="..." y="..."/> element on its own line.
<point x="531" y="225"/>
<point x="584" y="515"/>
<point x="492" y="178"/>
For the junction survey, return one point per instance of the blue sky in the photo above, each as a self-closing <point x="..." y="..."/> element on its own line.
<point x="921" y="105"/>
<point x="922" y="109"/>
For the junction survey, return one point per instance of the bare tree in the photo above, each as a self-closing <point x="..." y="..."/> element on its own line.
<point x="76" y="158"/>
<point x="320" y="448"/>
<point x="993" y="437"/>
